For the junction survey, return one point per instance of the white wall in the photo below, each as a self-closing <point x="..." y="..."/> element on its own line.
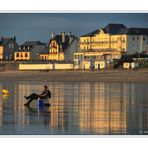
<point x="101" y="64"/>
<point x="35" y="66"/>
<point x="63" y="66"/>
<point x="136" y="45"/>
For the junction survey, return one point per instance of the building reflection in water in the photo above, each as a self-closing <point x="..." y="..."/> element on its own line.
<point x="76" y="108"/>
<point x="102" y="109"/>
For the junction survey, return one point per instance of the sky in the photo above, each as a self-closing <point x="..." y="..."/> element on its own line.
<point x="39" y="26"/>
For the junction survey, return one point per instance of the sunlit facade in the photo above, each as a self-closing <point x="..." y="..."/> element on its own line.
<point x="30" y="50"/>
<point x="112" y="41"/>
<point x="22" y="56"/>
<point x="61" y="48"/>
<point x="1" y="52"/>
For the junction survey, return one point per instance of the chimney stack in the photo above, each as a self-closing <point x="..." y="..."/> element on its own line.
<point x="53" y="34"/>
<point x="14" y="38"/>
<point x="1" y="38"/>
<point x="63" y="37"/>
<point x="70" y="37"/>
<point x="69" y="33"/>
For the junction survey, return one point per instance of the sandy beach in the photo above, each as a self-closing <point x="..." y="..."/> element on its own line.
<point x="140" y="75"/>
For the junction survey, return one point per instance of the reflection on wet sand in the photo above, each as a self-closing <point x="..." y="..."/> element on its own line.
<point x="101" y="112"/>
<point x="76" y="108"/>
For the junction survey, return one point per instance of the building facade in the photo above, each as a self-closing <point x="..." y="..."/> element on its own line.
<point x="110" y="43"/>
<point x="30" y="50"/>
<point x="7" y="48"/>
<point x="61" y="47"/>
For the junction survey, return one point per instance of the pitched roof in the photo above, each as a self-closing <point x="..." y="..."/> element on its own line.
<point x="134" y="31"/>
<point x="91" y="33"/>
<point x="32" y="43"/>
<point x="113" y="28"/>
<point x="5" y="40"/>
<point x="40" y="49"/>
<point x="110" y="29"/>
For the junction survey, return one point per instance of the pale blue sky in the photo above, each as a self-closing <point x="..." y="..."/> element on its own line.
<point x="35" y="26"/>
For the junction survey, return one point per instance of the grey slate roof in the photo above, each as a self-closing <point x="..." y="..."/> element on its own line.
<point x="40" y="49"/>
<point x="110" y="29"/>
<point x="91" y="33"/>
<point x="5" y="40"/>
<point x="32" y="43"/>
<point x="134" y="31"/>
<point x="114" y="29"/>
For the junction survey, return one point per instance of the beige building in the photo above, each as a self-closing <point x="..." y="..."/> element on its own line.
<point x="111" y="42"/>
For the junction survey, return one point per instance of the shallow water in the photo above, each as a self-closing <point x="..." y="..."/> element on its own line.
<point x="77" y="108"/>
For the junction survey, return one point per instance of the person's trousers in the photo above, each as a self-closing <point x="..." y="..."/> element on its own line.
<point x="32" y="97"/>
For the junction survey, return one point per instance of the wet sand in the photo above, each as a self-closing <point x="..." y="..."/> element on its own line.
<point x="140" y="75"/>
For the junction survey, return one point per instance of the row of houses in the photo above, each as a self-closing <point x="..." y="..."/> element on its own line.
<point x="105" y="44"/>
<point x="61" y="47"/>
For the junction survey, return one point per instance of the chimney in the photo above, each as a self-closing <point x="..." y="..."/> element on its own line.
<point x="70" y="37"/>
<point x="53" y="34"/>
<point x="1" y="38"/>
<point x="14" y="38"/>
<point x="69" y="33"/>
<point x="63" y="37"/>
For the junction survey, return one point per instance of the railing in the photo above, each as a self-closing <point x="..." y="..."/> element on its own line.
<point x="103" y="42"/>
<point x="96" y="50"/>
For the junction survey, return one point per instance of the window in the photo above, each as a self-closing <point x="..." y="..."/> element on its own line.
<point x="26" y="55"/>
<point x="144" y="39"/>
<point x="9" y="45"/>
<point x="133" y="39"/>
<point x="17" y="55"/>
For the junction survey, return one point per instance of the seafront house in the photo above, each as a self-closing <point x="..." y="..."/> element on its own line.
<point x="108" y="44"/>
<point x="30" y="51"/>
<point x="8" y="46"/>
<point x="61" y="48"/>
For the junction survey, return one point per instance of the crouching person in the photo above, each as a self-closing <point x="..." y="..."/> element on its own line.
<point x="46" y="94"/>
